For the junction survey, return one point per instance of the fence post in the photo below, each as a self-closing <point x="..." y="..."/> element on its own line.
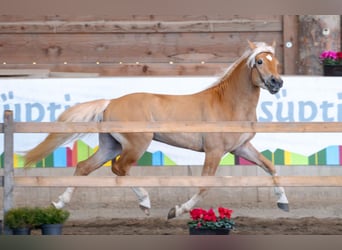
<point x="8" y="164"/>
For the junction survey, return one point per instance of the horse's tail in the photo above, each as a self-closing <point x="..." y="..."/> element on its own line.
<point x="84" y="112"/>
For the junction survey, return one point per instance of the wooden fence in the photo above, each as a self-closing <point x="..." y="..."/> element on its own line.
<point x="9" y="181"/>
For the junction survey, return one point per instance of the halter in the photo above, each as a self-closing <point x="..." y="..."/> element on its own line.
<point x="261" y="48"/>
<point x="255" y="67"/>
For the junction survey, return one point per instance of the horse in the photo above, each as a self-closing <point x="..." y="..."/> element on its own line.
<point x="233" y="97"/>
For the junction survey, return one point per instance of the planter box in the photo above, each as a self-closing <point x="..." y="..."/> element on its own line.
<point x="200" y="231"/>
<point x="52" y="229"/>
<point x="332" y="70"/>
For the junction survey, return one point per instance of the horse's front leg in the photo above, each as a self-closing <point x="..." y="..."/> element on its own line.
<point x="212" y="160"/>
<point x="248" y="152"/>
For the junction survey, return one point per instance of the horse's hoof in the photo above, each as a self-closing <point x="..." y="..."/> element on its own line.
<point x="284" y="206"/>
<point x="172" y="213"/>
<point x="146" y="210"/>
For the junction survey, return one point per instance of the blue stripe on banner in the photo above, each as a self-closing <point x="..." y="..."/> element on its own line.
<point x="158" y="158"/>
<point x="333" y="157"/>
<point x="60" y="158"/>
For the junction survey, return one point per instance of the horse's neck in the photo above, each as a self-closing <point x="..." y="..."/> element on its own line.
<point x="237" y="90"/>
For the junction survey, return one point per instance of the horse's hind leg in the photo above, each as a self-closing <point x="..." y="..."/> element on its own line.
<point x="248" y="152"/>
<point x="133" y="147"/>
<point x="108" y="149"/>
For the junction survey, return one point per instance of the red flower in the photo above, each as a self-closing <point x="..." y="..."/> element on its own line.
<point x="210" y="215"/>
<point x="225" y="212"/>
<point x="207" y="219"/>
<point x="339" y="55"/>
<point x="197" y="213"/>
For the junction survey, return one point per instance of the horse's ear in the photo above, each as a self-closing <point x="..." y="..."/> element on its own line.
<point x="251" y="45"/>
<point x="274" y="44"/>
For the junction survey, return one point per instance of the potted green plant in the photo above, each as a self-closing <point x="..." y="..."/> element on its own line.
<point x="51" y="220"/>
<point x="205" y="222"/>
<point x="21" y="220"/>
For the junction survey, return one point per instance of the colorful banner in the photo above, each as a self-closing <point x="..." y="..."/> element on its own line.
<point x="302" y="99"/>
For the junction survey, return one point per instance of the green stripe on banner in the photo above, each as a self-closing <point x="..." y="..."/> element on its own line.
<point x="145" y="159"/>
<point x="2" y="160"/>
<point x="228" y="159"/>
<point x="279" y="157"/>
<point x="268" y="154"/>
<point x="168" y="161"/>
<point x="312" y="160"/>
<point x="82" y="151"/>
<point x="321" y="157"/>
<point x="40" y="164"/>
<point x="19" y="161"/>
<point x="49" y="161"/>
<point x="298" y="159"/>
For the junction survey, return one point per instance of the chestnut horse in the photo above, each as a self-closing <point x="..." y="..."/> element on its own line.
<point x="233" y="97"/>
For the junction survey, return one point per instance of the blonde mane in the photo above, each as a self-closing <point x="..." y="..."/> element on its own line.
<point x="250" y="55"/>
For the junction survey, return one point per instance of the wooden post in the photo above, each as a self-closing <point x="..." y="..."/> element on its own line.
<point x="316" y="34"/>
<point x="290" y="40"/>
<point x="8" y="164"/>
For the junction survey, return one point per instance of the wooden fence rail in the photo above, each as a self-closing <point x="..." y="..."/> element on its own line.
<point x="177" y="181"/>
<point x="172" y="126"/>
<point x="9" y="181"/>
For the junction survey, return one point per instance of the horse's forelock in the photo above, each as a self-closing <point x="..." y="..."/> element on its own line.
<point x="261" y="47"/>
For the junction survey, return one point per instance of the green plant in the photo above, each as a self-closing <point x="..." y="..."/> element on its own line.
<point x="52" y="215"/>
<point x="204" y="219"/>
<point x="21" y="217"/>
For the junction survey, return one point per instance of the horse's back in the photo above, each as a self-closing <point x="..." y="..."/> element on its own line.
<point x="153" y="107"/>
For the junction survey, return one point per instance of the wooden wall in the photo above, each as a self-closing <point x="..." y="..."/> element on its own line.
<point x="140" y="45"/>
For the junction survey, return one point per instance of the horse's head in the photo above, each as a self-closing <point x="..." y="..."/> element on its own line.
<point x="264" y="67"/>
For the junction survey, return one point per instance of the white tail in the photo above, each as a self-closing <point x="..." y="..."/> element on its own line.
<point x="84" y="112"/>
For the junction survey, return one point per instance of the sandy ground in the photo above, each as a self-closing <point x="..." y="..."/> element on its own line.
<point x="244" y="226"/>
<point x="320" y="220"/>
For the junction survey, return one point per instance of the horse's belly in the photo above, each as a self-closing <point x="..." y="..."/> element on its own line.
<point x="235" y="140"/>
<point x="191" y="141"/>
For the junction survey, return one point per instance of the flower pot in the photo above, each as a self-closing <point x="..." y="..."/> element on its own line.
<point x="21" y="231"/>
<point x="205" y="231"/>
<point x="52" y="229"/>
<point x="332" y="70"/>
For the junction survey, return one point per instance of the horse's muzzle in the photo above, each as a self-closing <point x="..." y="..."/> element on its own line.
<point x="274" y="84"/>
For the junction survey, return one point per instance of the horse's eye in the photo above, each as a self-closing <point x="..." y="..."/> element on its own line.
<point x="259" y="61"/>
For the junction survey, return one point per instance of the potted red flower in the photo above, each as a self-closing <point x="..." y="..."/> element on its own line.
<point x="206" y="222"/>
<point x="332" y="63"/>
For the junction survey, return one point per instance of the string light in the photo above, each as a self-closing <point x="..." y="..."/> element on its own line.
<point x="98" y="62"/>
